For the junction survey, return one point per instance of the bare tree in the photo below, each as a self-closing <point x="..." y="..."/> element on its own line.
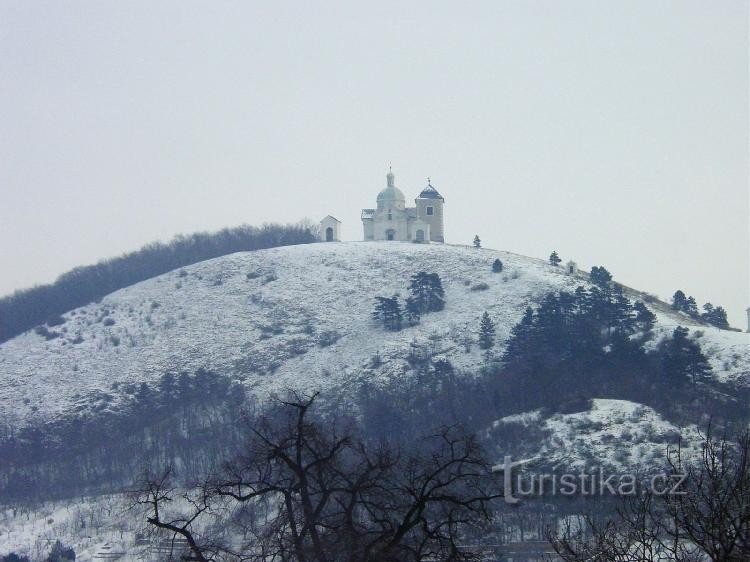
<point x="714" y="510"/>
<point x="708" y="516"/>
<point x="309" y="489"/>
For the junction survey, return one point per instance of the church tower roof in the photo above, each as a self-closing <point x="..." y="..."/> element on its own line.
<point x="430" y="192"/>
<point x="391" y="192"/>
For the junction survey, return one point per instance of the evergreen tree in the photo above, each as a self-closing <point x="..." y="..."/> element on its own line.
<point x="437" y="293"/>
<point x="719" y="318"/>
<point x="682" y="359"/>
<point x="427" y="292"/>
<point x="644" y="317"/>
<point x="679" y="301"/>
<point x="554" y="259"/>
<point x="520" y="338"/>
<point x="716" y="316"/>
<point x="691" y="307"/>
<point x="600" y="276"/>
<point x="412" y="311"/>
<point x="477" y="241"/>
<point x="497" y="266"/>
<point x="167" y="390"/>
<point x="486" y="333"/>
<point x="388" y="311"/>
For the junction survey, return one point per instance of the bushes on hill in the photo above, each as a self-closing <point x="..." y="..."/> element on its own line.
<point x="13" y="557"/>
<point x="28" y="308"/>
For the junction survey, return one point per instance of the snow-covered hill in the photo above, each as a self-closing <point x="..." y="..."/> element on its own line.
<point x="300" y="317"/>
<point x="291" y="317"/>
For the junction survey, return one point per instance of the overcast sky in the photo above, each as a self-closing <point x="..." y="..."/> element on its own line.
<point x="614" y="132"/>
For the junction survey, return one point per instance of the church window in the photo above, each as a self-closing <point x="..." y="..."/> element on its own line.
<point x="390" y="215"/>
<point x="429" y="210"/>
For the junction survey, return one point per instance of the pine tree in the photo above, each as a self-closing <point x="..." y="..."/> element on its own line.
<point x="436" y="293"/>
<point x="497" y="266"/>
<point x="412" y="311"/>
<point x="477" y="241"/>
<point x="691" y="307"/>
<point x="683" y="361"/>
<point x="716" y="316"/>
<point x="389" y="312"/>
<point x="554" y="259"/>
<point x="644" y="317"/>
<point x="427" y="292"/>
<point x="600" y="276"/>
<point x="486" y="333"/>
<point x="679" y="301"/>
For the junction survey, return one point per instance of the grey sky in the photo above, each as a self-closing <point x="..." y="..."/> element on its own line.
<point x="614" y="132"/>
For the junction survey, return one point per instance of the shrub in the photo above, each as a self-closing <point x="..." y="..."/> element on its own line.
<point x="297" y="346"/>
<point x="497" y="266"/>
<point x="109" y="321"/>
<point x="268" y="330"/>
<point x="328" y="337"/>
<point x="46" y="333"/>
<point x="480" y="287"/>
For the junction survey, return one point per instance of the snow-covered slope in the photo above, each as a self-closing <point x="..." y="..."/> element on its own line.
<point x="612" y="434"/>
<point x="291" y="317"/>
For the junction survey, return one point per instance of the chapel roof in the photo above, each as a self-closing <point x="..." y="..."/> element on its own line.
<point x="430" y="192"/>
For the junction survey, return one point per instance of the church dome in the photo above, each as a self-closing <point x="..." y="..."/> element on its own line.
<point x="430" y="192"/>
<point x="391" y="192"/>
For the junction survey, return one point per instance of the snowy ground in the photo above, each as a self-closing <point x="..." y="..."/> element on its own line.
<point x="96" y="528"/>
<point x="260" y="316"/>
<point x="614" y="434"/>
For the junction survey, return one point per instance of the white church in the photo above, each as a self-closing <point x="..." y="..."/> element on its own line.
<point x="393" y="220"/>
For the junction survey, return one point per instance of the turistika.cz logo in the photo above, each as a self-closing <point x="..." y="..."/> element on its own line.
<point x="595" y="483"/>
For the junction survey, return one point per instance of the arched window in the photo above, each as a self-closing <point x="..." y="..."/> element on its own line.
<point x="390" y="215"/>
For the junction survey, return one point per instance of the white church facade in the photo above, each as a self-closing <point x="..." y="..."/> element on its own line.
<point x="393" y="220"/>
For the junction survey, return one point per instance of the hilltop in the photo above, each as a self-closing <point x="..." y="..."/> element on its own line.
<point x="291" y="317"/>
